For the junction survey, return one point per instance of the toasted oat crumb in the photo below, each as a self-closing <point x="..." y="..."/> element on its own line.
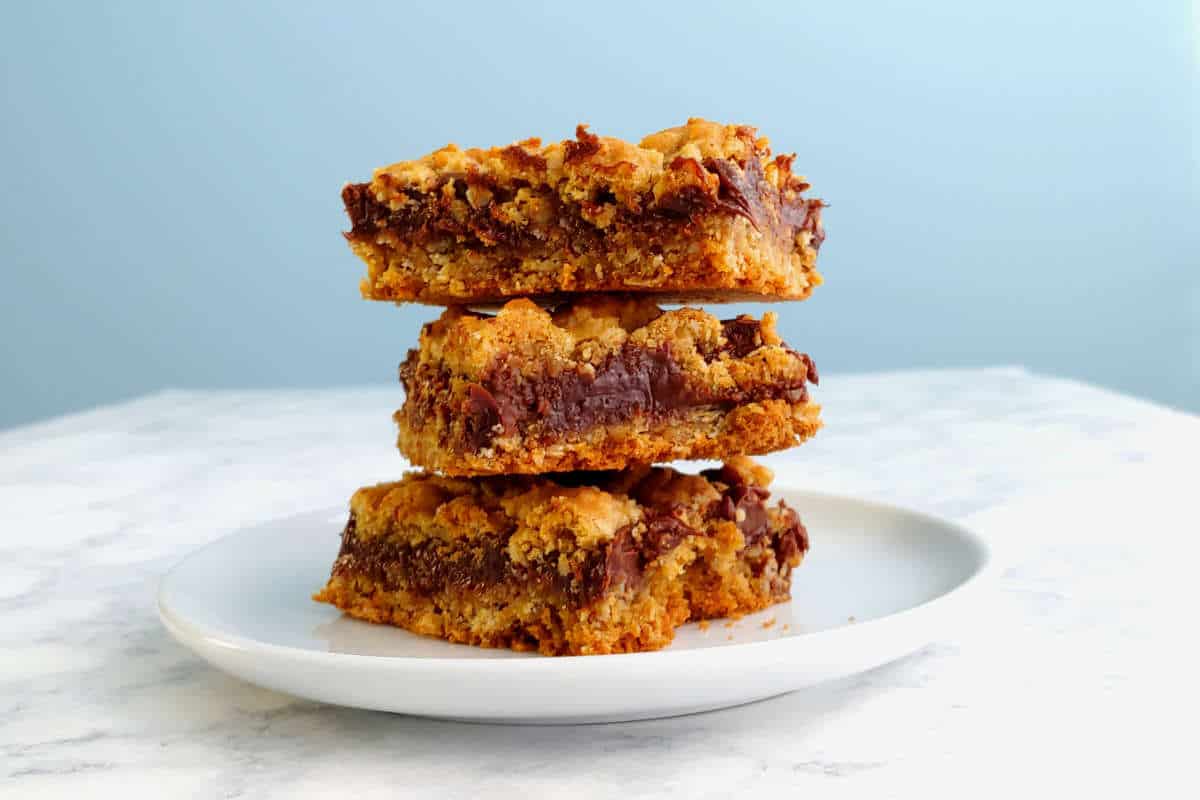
<point x="729" y="624"/>
<point x="769" y="623"/>
<point x="703" y="624"/>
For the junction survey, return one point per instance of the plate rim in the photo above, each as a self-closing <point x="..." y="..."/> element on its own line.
<point x="211" y="636"/>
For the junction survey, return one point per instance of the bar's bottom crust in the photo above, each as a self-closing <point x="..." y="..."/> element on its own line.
<point x="705" y="432"/>
<point x="715" y="579"/>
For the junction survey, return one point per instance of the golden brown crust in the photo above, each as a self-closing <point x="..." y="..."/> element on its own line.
<point x="515" y="619"/>
<point x="602" y="383"/>
<point x="699" y="210"/>
<point x="567" y="565"/>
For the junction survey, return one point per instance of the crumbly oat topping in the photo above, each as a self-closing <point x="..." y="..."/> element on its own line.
<point x="589" y="330"/>
<point x="663" y="165"/>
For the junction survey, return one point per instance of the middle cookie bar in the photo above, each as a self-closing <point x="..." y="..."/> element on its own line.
<point x="602" y="383"/>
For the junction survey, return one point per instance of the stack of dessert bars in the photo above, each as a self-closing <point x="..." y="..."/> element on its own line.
<point x="537" y="520"/>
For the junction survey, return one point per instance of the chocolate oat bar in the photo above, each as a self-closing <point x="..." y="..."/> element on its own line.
<point x="702" y="211"/>
<point x="600" y="383"/>
<point x="566" y="565"/>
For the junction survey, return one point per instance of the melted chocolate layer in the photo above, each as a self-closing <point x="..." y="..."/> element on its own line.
<point x="632" y="381"/>
<point x="423" y="568"/>
<point x="743" y="191"/>
<point x="629" y="381"/>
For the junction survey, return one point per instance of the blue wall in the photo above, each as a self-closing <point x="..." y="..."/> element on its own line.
<point x="1015" y="183"/>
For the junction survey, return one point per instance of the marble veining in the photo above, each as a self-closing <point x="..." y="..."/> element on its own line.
<point x="1065" y="682"/>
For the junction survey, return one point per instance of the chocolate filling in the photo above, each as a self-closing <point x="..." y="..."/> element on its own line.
<point x="743" y="335"/>
<point x="746" y="505"/>
<point x="422" y="568"/>
<point x="436" y="214"/>
<point x="624" y="560"/>
<point x="631" y="381"/>
<point x="743" y="503"/>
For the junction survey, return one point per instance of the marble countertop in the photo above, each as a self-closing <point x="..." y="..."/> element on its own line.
<point x="1075" y="677"/>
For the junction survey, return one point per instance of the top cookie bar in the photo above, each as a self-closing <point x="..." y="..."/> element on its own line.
<point x="698" y="212"/>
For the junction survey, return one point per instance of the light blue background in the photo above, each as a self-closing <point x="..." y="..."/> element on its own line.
<point x="1011" y="182"/>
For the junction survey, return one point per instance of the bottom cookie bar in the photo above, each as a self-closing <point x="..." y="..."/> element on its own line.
<point x="568" y="564"/>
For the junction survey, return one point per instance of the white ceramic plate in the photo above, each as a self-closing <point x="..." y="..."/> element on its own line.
<point x="878" y="583"/>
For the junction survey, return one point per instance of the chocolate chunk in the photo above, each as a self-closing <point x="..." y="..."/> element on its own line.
<point x="663" y="534"/>
<point x="746" y="505"/>
<point x="355" y="197"/>
<point x="481" y="416"/>
<point x="621" y="564"/>
<point x="751" y="513"/>
<point x="741" y="188"/>
<point x="792" y="541"/>
<point x="743" y="336"/>
<point x="742" y="503"/>
<point x="804" y="215"/>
